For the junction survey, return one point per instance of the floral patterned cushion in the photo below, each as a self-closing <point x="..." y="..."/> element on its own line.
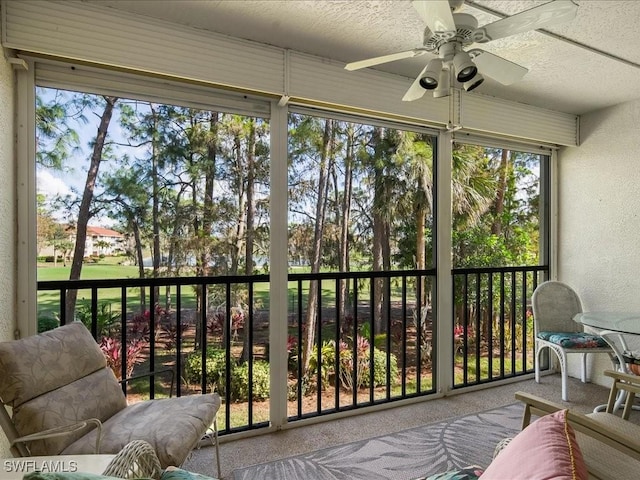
<point x="467" y="473"/>
<point x="573" y="339"/>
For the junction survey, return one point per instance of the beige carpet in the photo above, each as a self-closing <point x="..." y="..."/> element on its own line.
<point x="240" y="453"/>
<point x="405" y="455"/>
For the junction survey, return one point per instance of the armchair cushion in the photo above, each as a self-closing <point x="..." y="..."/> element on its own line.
<point x="98" y="395"/>
<point x="573" y="339"/>
<point x="174" y="423"/>
<point x="26" y="364"/>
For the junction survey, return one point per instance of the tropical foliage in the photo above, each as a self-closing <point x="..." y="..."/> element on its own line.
<point x="190" y="189"/>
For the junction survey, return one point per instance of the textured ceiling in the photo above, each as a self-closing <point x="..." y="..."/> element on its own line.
<point x="562" y="76"/>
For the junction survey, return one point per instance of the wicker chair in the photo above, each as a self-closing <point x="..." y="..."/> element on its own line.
<point x="65" y="400"/>
<point x="137" y="459"/>
<point x="554" y="306"/>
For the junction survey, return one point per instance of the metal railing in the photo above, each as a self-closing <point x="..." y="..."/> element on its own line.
<point x="493" y="323"/>
<point x="164" y="325"/>
<point x="373" y="337"/>
<point x="372" y="340"/>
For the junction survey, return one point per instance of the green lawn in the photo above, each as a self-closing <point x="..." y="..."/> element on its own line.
<point x="110" y="268"/>
<point x="91" y="271"/>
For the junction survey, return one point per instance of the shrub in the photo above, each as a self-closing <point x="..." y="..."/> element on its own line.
<point x="46" y="323"/>
<point x="328" y="359"/>
<point x="363" y="370"/>
<point x="380" y="340"/>
<point x="214" y="366"/>
<point x="240" y="381"/>
<point x="108" y="319"/>
<point x="292" y="353"/>
<point x="380" y="369"/>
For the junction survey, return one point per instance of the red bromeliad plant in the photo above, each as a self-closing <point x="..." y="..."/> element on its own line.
<point x="458" y="336"/>
<point x="112" y="349"/>
<point x="140" y="324"/>
<point x="347" y="364"/>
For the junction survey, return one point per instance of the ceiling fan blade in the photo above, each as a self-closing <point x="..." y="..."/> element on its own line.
<point x="436" y="14"/>
<point x="498" y="68"/>
<point x="552" y="13"/>
<point x="370" y="62"/>
<point x="415" y="91"/>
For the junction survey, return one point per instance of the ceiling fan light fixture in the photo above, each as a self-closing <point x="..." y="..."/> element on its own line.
<point x="464" y="66"/>
<point x="443" y="89"/>
<point x="431" y="76"/>
<point x="473" y="83"/>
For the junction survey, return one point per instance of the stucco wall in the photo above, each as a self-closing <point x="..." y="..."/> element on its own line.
<point x="7" y="200"/>
<point x="7" y="212"/>
<point x="599" y="215"/>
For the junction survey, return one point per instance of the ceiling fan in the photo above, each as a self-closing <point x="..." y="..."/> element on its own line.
<point x="448" y="32"/>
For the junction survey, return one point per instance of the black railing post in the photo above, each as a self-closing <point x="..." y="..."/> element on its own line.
<point x="419" y="334"/>
<point x="336" y="363"/>
<point x="63" y="311"/>
<point x="318" y="285"/>
<point x="94" y="312"/>
<point x="178" y="370"/>
<point x="248" y="325"/>
<point x="123" y="336"/>
<point x="490" y="324"/>
<point x="152" y="341"/>
<point x="300" y="349"/>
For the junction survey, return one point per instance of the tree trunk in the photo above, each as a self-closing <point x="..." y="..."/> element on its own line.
<point x="84" y="214"/>
<point x="316" y="255"/>
<point x="204" y="261"/>
<point x="251" y="174"/>
<point x="381" y="250"/>
<point x="210" y="176"/>
<point x="421" y="262"/>
<point x="345" y="210"/>
<point x="140" y="260"/>
<point x="496" y="227"/>
<point x="156" y="205"/>
<point x="241" y="223"/>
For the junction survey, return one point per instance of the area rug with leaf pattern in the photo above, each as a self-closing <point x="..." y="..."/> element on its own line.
<point x="419" y="451"/>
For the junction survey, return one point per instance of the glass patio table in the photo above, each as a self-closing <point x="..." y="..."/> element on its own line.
<point x="620" y="322"/>
<point x="618" y="329"/>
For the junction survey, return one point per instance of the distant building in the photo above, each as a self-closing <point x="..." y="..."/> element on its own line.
<point x="100" y="241"/>
<point x="103" y="241"/>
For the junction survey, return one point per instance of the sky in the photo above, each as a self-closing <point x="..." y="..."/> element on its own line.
<point x="52" y="183"/>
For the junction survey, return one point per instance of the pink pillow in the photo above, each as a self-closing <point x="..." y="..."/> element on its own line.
<point x="545" y="450"/>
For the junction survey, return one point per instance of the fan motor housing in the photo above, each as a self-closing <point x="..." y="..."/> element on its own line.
<point x="465" y="26"/>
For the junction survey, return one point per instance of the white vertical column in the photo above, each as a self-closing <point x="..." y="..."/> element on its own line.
<point x="444" y="305"/>
<point x="553" y="216"/>
<point x="26" y="201"/>
<point x="278" y="267"/>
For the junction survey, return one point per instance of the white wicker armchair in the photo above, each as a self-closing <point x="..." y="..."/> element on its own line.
<point x="136" y="460"/>
<point x="65" y="400"/>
